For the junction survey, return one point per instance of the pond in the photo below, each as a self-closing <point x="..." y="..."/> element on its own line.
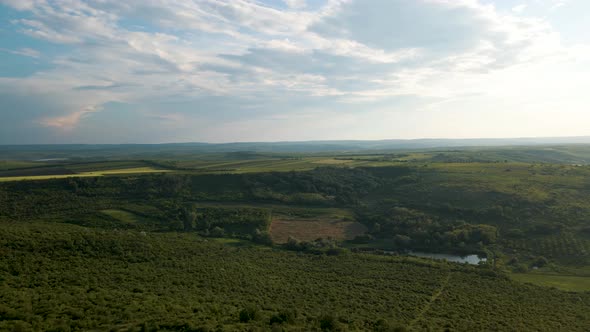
<point x="470" y="259"/>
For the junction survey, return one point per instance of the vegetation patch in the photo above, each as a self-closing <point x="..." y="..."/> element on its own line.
<point x="89" y="279"/>
<point x="333" y="161"/>
<point x="123" y="216"/>
<point x="123" y="171"/>
<point x="311" y="229"/>
<point x="563" y="282"/>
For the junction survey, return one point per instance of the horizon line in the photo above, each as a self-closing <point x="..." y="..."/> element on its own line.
<point x="327" y="140"/>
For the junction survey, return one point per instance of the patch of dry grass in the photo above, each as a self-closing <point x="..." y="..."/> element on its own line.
<point x="311" y="229"/>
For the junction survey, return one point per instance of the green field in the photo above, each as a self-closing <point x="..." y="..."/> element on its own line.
<point x="134" y="170"/>
<point x="122" y="216"/>
<point x="563" y="282"/>
<point x="9" y="164"/>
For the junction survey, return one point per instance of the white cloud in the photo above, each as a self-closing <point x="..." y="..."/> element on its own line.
<point x="29" y="52"/>
<point x="558" y="3"/>
<point x="20" y="4"/>
<point x="296" y="4"/>
<point x="352" y="53"/>
<point x="68" y="122"/>
<point x="519" y="8"/>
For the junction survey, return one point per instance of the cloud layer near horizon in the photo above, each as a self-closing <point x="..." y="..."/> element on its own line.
<point x="110" y="71"/>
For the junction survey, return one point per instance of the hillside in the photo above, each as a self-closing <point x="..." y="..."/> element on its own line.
<point x="245" y="242"/>
<point x="74" y="277"/>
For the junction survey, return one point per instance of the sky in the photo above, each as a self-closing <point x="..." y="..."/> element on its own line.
<point x="154" y="71"/>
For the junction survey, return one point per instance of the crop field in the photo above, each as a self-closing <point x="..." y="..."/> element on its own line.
<point x="311" y="229"/>
<point x="563" y="282"/>
<point x="8" y="164"/>
<point x="499" y="175"/>
<point x="257" y="165"/>
<point x="302" y="223"/>
<point x="332" y="161"/>
<point x="134" y="170"/>
<point x="105" y="166"/>
<point x="507" y="173"/>
<point x="284" y="164"/>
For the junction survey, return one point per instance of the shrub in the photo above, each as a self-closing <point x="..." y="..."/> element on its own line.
<point x="540" y="261"/>
<point x="248" y="314"/>
<point x="283" y="317"/>
<point x="217" y="232"/>
<point x="329" y="323"/>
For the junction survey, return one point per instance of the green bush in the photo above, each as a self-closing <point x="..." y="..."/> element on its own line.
<point x="249" y="314"/>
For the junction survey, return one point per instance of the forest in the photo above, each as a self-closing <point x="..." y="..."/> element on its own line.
<point x="183" y="248"/>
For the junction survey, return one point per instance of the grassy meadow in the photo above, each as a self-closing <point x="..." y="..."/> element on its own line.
<point x="570" y="283"/>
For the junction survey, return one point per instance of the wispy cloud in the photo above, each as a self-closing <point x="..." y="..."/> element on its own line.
<point x="29" y="52"/>
<point x="519" y="8"/>
<point x="249" y="56"/>
<point x="68" y="122"/>
<point x="296" y="4"/>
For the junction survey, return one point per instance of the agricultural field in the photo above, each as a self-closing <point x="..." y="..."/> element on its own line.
<point x="123" y="216"/>
<point x="94" y="173"/>
<point x="267" y="165"/>
<point x="282" y="229"/>
<point x="9" y="164"/>
<point x="570" y="283"/>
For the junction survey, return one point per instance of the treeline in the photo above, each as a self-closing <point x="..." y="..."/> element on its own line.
<point x="412" y="207"/>
<point x="246" y="223"/>
<point x="321" y="187"/>
<point x="412" y="229"/>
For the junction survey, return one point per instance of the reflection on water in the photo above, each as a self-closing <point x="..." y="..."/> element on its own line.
<point x="470" y="259"/>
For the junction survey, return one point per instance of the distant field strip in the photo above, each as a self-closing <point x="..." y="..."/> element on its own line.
<point x="135" y="170"/>
<point x="279" y="165"/>
<point x="8" y="164"/>
<point x="332" y="161"/>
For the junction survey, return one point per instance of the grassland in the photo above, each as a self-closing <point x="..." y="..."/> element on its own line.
<point x="563" y="282"/>
<point x="10" y="164"/>
<point x="266" y="165"/>
<point x="312" y="229"/>
<point x="123" y="216"/>
<point x="484" y="160"/>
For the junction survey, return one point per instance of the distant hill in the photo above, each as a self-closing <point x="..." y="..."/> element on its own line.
<point x="170" y="150"/>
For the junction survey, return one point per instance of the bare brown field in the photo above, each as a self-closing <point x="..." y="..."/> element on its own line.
<point x="311" y="229"/>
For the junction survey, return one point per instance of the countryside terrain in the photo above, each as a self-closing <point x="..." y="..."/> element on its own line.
<point x="176" y="239"/>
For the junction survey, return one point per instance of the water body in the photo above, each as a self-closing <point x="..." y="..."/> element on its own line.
<point x="469" y="259"/>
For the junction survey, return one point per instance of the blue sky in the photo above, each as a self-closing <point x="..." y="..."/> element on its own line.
<point x="111" y="71"/>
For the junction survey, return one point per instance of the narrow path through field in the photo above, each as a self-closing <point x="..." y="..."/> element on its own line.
<point x="433" y="298"/>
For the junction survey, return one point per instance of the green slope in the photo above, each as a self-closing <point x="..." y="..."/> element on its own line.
<point x="63" y="277"/>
